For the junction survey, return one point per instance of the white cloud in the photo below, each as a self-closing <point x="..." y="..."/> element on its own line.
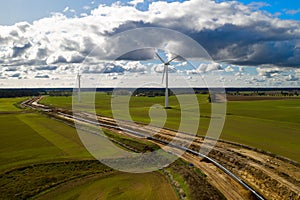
<point x="66" y="9"/>
<point x="229" y="69"/>
<point x="83" y="14"/>
<point x="92" y="69"/>
<point x="261" y="80"/>
<point x="86" y="7"/>
<point x="291" y="78"/>
<point x="257" y="5"/>
<point x="135" y="2"/>
<point x="193" y="71"/>
<point x="292" y="12"/>
<point x="209" y="67"/>
<point x="204" y="68"/>
<point x="239" y="74"/>
<point x="182" y="64"/>
<point x="268" y="72"/>
<point x="160" y="68"/>
<point x="134" y="67"/>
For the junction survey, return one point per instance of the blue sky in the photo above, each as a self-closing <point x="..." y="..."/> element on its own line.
<point x="13" y="11"/>
<point x="288" y="9"/>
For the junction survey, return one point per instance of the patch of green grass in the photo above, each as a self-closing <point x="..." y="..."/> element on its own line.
<point x="179" y="179"/>
<point x="276" y="110"/>
<point x="138" y="145"/>
<point x="9" y="104"/>
<point x="26" y="182"/>
<point x="117" y="186"/>
<point x="29" y="138"/>
<point x="59" y="134"/>
<point x="271" y="125"/>
<point x="282" y="138"/>
<point x="63" y="101"/>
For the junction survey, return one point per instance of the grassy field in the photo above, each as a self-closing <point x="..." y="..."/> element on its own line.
<point x="31" y="137"/>
<point x="40" y="154"/>
<point x="29" y="181"/>
<point x="271" y="125"/>
<point x="116" y="186"/>
<point x="8" y="104"/>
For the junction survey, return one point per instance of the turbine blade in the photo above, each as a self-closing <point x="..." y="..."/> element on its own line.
<point x="160" y="58"/>
<point x="162" y="80"/>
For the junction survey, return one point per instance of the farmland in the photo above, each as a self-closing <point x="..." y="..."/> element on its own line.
<point x="40" y="154"/>
<point x="8" y="104"/>
<point x="265" y="172"/>
<point x="270" y="125"/>
<point x="36" y="143"/>
<point x="30" y="137"/>
<point x="116" y="186"/>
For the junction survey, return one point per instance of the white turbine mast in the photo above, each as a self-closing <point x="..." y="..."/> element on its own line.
<point x="166" y="70"/>
<point x="79" y="87"/>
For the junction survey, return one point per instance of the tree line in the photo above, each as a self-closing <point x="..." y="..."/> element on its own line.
<point x="9" y="93"/>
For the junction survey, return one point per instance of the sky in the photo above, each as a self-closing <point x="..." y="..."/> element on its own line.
<point x="250" y="43"/>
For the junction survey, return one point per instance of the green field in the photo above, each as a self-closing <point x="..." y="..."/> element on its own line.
<point x="31" y="137"/>
<point x="271" y="125"/>
<point x="115" y="186"/>
<point x="9" y="104"/>
<point x="39" y="154"/>
<point x="31" y="180"/>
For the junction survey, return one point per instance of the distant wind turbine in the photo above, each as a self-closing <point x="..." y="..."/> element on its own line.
<point x="79" y="87"/>
<point x="166" y="69"/>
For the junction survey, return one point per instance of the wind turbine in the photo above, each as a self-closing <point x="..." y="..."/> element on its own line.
<point x="79" y="87"/>
<point x="166" y="69"/>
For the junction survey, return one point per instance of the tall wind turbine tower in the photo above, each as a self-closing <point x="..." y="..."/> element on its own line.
<point x="79" y="87"/>
<point x="166" y="71"/>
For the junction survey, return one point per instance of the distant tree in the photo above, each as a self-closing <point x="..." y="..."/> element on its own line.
<point x="209" y="98"/>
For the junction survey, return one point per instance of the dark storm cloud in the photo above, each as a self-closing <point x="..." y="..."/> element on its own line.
<point x="140" y="54"/>
<point x="257" y="44"/>
<point x="250" y="46"/>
